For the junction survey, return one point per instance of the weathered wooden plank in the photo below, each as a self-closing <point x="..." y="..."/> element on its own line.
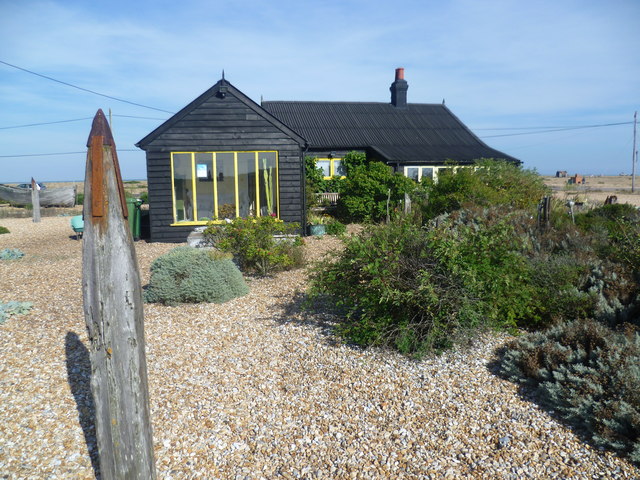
<point x="35" y="200"/>
<point x="114" y="318"/>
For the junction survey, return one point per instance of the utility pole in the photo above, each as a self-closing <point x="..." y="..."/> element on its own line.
<point x="634" y="154"/>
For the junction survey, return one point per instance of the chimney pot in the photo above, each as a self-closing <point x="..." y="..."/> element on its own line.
<point x="399" y="90"/>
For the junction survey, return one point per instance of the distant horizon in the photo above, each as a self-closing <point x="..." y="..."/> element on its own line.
<point x="569" y="174"/>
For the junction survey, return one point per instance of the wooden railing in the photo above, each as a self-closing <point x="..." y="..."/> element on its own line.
<point x="330" y="197"/>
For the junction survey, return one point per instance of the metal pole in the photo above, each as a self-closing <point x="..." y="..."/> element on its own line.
<point x="634" y="154"/>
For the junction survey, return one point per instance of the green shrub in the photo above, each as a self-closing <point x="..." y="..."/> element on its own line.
<point x="79" y="198"/>
<point x="191" y="275"/>
<point x="3" y="230"/>
<point x="616" y="229"/>
<point x="335" y="227"/>
<point x="489" y="183"/>
<point x="366" y="189"/>
<point x="588" y="373"/>
<point x="11" y="254"/>
<point x="392" y="291"/>
<point x="252" y="242"/>
<point x="13" y="308"/>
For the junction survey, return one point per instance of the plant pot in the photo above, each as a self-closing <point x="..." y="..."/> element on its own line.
<point x="317" y="230"/>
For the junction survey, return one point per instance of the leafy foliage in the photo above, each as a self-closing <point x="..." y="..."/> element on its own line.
<point x="11" y="254"/>
<point x="13" y="308"/>
<point x="335" y="227"/>
<point x="587" y="372"/>
<point x="3" y="230"/>
<point x="366" y="189"/>
<point x="490" y="182"/>
<point x="252" y="242"/>
<point x="190" y="275"/>
<point x="392" y="291"/>
<point x="353" y="160"/>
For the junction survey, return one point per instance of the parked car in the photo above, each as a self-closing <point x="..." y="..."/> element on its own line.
<point x="28" y="185"/>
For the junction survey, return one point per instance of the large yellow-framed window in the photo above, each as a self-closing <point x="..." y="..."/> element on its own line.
<point x="331" y="167"/>
<point x="217" y="186"/>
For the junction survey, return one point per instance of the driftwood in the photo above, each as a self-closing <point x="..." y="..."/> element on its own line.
<point x="35" y="200"/>
<point x="114" y="317"/>
<point x="49" y="197"/>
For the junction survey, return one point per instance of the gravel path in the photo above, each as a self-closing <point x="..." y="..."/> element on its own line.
<point x="254" y="389"/>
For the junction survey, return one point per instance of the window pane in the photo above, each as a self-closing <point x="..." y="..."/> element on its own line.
<point x="338" y="169"/>
<point x="325" y="165"/>
<point x="427" y="172"/>
<point x="412" y="172"/>
<point x="247" y="184"/>
<point x="226" y="185"/>
<point x="182" y="187"/>
<point x="204" y="185"/>
<point x="267" y="183"/>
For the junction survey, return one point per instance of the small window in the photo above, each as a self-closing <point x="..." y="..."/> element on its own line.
<point x="413" y="173"/>
<point x="325" y="165"/>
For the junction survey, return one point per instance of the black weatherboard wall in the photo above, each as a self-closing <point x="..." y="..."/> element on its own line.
<point x="221" y="119"/>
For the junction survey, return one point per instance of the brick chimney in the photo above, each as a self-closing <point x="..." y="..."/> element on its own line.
<point x="399" y="90"/>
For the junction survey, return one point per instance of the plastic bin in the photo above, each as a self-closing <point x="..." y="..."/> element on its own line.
<point x="133" y="207"/>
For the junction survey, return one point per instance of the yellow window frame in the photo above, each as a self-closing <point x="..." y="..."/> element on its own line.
<point x="332" y="168"/>
<point x="215" y="185"/>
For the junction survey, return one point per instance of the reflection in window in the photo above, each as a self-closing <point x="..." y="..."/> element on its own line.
<point x="267" y="183"/>
<point x="204" y="185"/>
<point x="413" y="173"/>
<point x="325" y="165"/>
<point x="183" y="187"/>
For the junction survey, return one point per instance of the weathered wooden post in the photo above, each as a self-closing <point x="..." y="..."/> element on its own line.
<point x="35" y="200"/>
<point x="114" y="317"/>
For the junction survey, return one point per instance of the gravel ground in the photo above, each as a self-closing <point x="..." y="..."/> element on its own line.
<point x="254" y="389"/>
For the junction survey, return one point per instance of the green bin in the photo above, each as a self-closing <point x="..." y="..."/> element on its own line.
<point x="133" y="207"/>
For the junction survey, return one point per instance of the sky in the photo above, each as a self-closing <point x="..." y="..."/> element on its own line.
<point x="553" y="83"/>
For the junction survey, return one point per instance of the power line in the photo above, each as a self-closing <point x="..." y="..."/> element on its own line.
<point x="61" y="153"/>
<point x="84" y="89"/>
<point x="561" y="129"/>
<point x="46" y="123"/>
<point x="76" y="120"/>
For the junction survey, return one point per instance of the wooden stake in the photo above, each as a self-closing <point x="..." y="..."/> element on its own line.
<point x="35" y="200"/>
<point x="114" y="317"/>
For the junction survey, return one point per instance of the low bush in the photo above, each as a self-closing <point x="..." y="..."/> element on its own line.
<point x="13" y="308"/>
<point x="11" y="254"/>
<point x="3" y="230"/>
<point x="335" y="227"/>
<point x="262" y="245"/>
<point x="79" y="198"/>
<point x="392" y="291"/>
<point x="191" y="275"/>
<point x="588" y="373"/>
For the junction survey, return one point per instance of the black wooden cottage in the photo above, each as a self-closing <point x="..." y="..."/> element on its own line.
<point x="221" y="156"/>
<point x="224" y="155"/>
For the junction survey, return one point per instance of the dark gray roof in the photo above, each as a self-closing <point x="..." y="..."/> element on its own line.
<point x="417" y="133"/>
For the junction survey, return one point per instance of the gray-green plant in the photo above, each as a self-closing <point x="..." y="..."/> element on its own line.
<point x="589" y="374"/>
<point x="194" y="275"/>
<point x="13" y="308"/>
<point x="11" y="254"/>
